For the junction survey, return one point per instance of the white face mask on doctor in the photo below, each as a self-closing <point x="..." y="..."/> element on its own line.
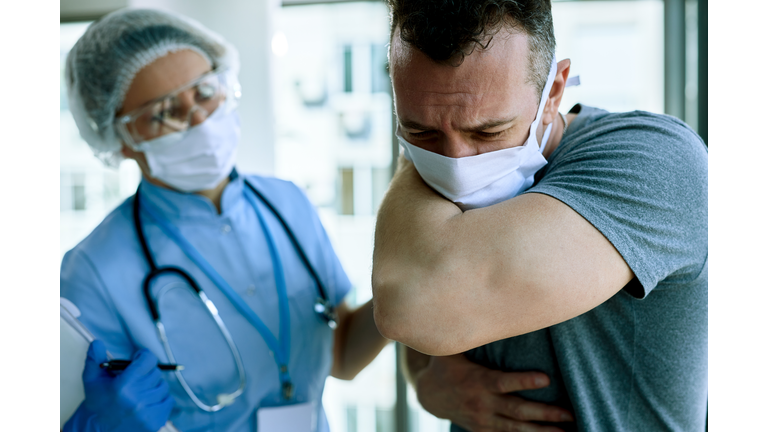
<point x="198" y="158"/>
<point x="488" y="178"/>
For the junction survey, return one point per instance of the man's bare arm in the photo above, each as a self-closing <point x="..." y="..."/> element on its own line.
<point x="446" y="281"/>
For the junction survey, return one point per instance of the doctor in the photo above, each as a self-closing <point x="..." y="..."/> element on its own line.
<point x="231" y="276"/>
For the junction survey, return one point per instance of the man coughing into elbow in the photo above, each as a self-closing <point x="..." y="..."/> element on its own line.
<point x="547" y="271"/>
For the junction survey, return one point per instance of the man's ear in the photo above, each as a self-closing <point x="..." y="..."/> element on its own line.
<point x="556" y="93"/>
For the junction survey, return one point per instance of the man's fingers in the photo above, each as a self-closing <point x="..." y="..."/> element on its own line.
<point x="502" y="424"/>
<point x="520" y="409"/>
<point x="508" y="382"/>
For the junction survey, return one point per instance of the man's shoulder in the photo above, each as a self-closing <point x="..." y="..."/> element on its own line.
<point x="642" y="130"/>
<point x="641" y="180"/>
<point x="640" y="147"/>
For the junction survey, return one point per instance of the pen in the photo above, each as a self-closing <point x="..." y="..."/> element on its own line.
<point x="118" y="365"/>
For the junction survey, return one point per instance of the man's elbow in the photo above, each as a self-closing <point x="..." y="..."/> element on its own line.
<point x="411" y="327"/>
<point x="389" y="317"/>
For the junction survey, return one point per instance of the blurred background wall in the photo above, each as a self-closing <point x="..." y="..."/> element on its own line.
<point x="317" y="110"/>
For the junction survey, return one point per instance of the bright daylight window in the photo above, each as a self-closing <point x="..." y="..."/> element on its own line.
<point x="89" y="190"/>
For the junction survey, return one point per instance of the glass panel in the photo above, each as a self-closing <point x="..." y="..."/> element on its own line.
<point x="78" y="191"/>
<point x="347" y="193"/>
<point x="617" y="48"/>
<point x="692" y="63"/>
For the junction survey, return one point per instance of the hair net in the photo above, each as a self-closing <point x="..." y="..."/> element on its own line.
<point x="104" y="61"/>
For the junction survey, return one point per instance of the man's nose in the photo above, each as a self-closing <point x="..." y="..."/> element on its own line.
<point x="455" y="146"/>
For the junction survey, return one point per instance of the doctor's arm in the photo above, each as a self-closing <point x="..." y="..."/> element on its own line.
<point x="446" y="281"/>
<point x="357" y="341"/>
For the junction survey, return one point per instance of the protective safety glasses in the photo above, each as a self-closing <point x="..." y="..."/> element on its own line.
<point x="176" y="111"/>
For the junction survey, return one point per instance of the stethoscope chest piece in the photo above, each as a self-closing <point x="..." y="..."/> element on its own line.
<point x="327" y="311"/>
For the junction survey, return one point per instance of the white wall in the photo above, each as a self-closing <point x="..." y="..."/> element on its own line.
<point x="247" y="24"/>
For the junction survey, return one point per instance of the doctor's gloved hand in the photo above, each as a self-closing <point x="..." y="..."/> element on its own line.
<point x="137" y="399"/>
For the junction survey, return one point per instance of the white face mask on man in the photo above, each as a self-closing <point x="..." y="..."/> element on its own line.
<point x="489" y="178"/>
<point x="198" y="158"/>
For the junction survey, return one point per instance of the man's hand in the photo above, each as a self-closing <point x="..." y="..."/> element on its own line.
<point x="475" y="397"/>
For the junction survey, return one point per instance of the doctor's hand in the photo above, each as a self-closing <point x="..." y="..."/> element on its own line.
<point x="138" y="399"/>
<point x="476" y="398"/>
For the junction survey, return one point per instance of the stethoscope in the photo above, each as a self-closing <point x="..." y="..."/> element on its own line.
<point x="280" y="348"/>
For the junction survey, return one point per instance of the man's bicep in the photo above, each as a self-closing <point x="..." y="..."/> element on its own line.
<point x="540" y="264"/>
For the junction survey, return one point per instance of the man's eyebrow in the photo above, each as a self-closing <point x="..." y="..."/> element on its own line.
<point x="491" y="124"/>
<point x="410" y="124"/>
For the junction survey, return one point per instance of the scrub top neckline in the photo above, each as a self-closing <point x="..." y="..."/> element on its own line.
<point x="174" y="205"/>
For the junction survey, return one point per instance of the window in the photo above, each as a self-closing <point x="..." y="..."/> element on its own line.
<point x="89" y="190"/>
<point x="617" y="49"/>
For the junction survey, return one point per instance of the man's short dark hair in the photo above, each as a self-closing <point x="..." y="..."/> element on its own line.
<point x="449" y="30"/>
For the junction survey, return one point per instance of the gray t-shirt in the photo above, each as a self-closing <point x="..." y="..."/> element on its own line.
<point x="638" y="362"/>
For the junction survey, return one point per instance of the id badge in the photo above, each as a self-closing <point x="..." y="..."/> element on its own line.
<point x="288" y="418"/>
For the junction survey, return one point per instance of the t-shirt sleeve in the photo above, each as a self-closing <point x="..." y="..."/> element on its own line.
<point x="81" y="284"/>
<point x="641" y="180"/>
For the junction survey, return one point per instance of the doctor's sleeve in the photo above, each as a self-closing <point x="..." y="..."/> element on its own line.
<point x="81" y="283"/>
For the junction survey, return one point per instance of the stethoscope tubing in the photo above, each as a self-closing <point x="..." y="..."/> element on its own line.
<point x="322" y="306"/>
<point x="210" y="307"/>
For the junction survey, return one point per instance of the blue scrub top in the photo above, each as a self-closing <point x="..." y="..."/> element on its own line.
<point x="103" y="277"/>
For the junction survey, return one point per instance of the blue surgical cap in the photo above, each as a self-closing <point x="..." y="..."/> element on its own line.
<point x="105" y="60"/>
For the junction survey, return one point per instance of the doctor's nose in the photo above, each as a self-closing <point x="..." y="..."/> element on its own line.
<point x="197" y="116"/>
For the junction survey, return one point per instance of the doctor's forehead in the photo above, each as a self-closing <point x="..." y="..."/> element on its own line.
<point x="501" y="69"/>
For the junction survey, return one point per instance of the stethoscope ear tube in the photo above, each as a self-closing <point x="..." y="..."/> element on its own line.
<point x="327" y="311"/>
<point x="158" y="271"/>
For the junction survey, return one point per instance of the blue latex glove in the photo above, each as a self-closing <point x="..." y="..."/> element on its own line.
<point x="137" y="399"/>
